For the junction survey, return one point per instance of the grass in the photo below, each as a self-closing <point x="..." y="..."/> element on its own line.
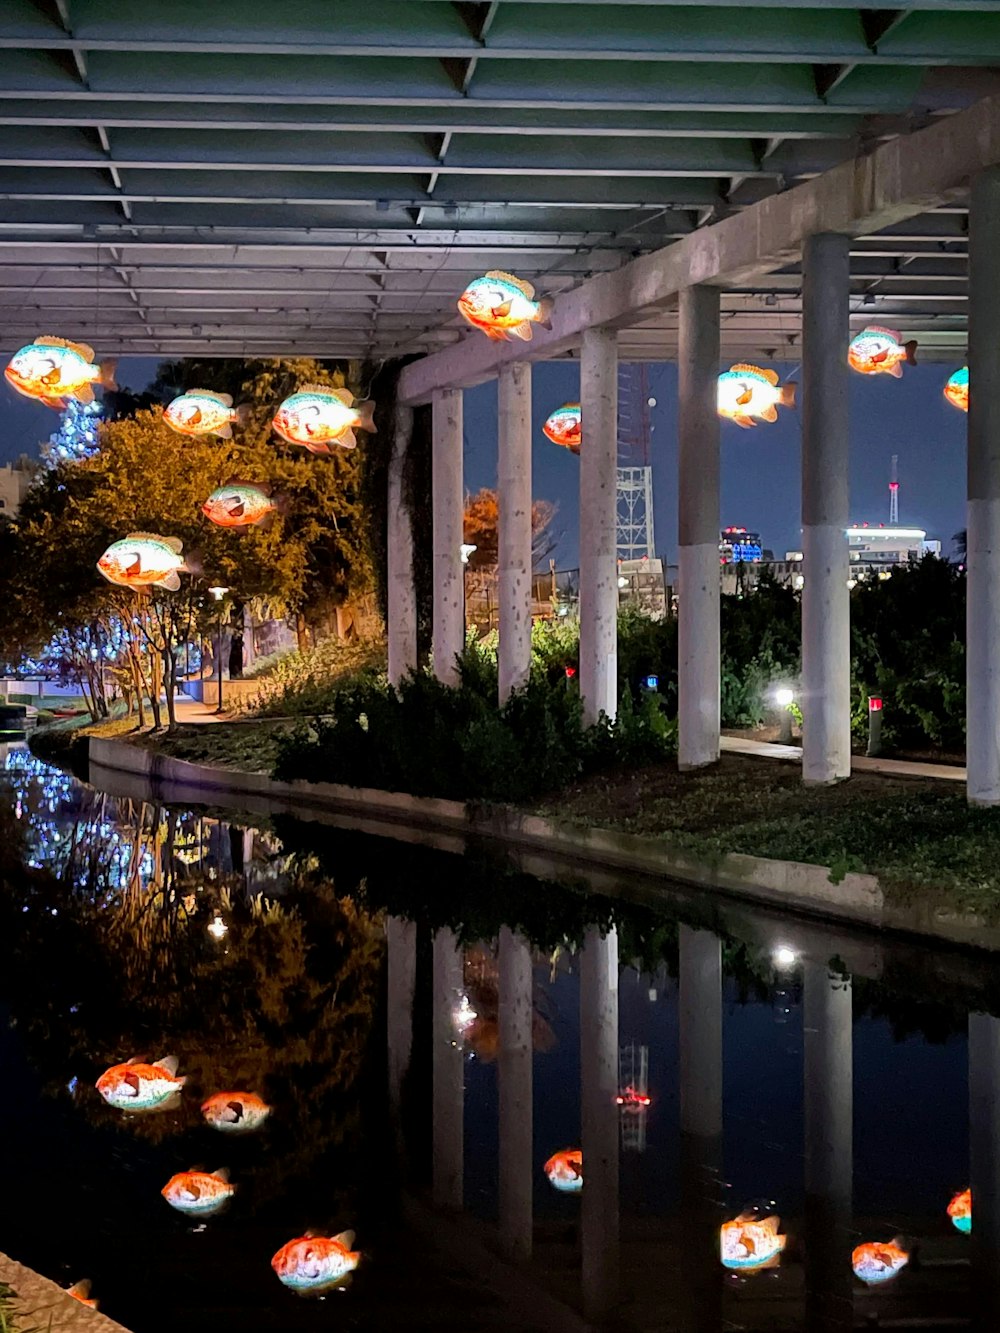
<point x="249" y="747"/>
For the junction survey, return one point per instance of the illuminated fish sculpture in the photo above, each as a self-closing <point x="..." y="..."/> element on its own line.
<point x="751" y="1242"/>
<point x="80" y="1291"/>
<point x="52" y="370"/>
<point x="146" y="560"/>
<point x="960" y="1211"/>
<point x="204" y="412"/>
<point x="878" y="351"/>
<point x="199" y="1193"/>
<point x="565" y="1170"/>
<point x="235" y="1112"/>
<point x="747" y="394"/>
<point x="876" y="1261"/>
<point x="313" y="1265"/>
<point x="957" y="389"/>
<point x="564" y="427"/>
<point x="504" y="307"/>
<point x="136" y="1086"/>
<point x="241" y="504"/>
<point x="316" y="417"/>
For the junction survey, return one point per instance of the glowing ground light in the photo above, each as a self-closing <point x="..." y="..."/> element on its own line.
<point x="464" y="1015"/>
<point x="217" y="928"/>
<point x="783" y="697"/>
<point x="784" y="957"/>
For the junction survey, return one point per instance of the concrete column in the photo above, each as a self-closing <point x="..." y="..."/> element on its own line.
<point x="447" y="1074"/>
<point x="984" y="1165"/>
<point x="598" y="521"/>
<point x="826" y="611"/>
<point x="514" y="484"/>
<point x="702" y="1190"/>
<point x="401" y="597"/>
<point x="829" y="1147"/>
<point x="698" y="652"/>
<point x="982" y="654"/>
<point x="401" y="968"/>
<point x="599" y="1118"/>
<point x="448" y="503"/>
<point x="515" y="1070"/>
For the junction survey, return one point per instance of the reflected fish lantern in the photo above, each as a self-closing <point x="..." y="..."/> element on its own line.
<point x="957" y="389"/>
<point x="146" y="560"/>
<point x="80" y="1291"/>
<point x="235" y="1112"/>
<point x="138" y="1087"/>
<point x="242" y="504"/>
<point x="504" y="307"/>
<point x="203" y="412"/>
<point x="52" y="370"/>
<point x="564" y="427"/>
<point x="565" y="1170"/>
<point x="315" y="1264"/>
<point x="878" y="351"/>
<point x="960" y="1211"/>
<point x="199" y="1193"/>
<point x="877" y="1261"/>
<point x="747" y="394"/>
<point x="317" y="417"/>
<point x="751" y="1241"/>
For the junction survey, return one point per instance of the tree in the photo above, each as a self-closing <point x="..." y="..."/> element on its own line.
<point x="482" y="528"/>
<point x="77" y="436"/>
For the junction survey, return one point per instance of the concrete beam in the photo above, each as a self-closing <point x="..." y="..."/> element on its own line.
<point x="899" y="180"/>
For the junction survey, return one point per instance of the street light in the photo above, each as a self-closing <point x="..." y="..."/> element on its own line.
<point x="218" y="593"/>
<point x="783" y="697"/>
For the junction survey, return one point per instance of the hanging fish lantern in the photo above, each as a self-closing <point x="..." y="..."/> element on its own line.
<point x="564" y="427"/>
<point x="199" y="1193"/>
<point x="136" y="1086"/>
<point x="504" y="307"/>
<point x="317" y="417"/>
<point x="242" y="504"/>
<point x="875" y="1262"/>
<point x="80" y="1291"/>
<point x="52" y="370"/>
<point x="747" y="394"/>
<point x="314" y="1264"/>
<point x="235" y="1112"/>
<point x="146" y="560"/>
<point x="565" y="1171"/>
<point x="960" y="1211"/>
<point x="204" y="412"/>
<point x="957" y="389"/>
<point x="878" y="351"/>
<point x="751" y="1241"/>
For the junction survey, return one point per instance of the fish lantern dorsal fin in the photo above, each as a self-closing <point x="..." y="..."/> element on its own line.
<point x="880" y="328"/>
<point x="520" y="283"/>
<point x="313" y="1234"/>
<point x="745" y="368"/>
<point x="222" y="1174"/>
<point x="168" y="1063"/>
<point x="143" y="537"/>
<point x="345" y="1238"/>
<point x="239" y="481"/>
<point x="82" y="349"/>
<point x="315" y="388"/>
<point x="226" y="399"/>
<point x="345" y="396"/>
<point x="135" y="1060"/>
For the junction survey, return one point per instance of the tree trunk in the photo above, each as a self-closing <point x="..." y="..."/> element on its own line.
<point x="154" y="690"/>
<point x="170" y="683"/>
<point x="301" y="632"/>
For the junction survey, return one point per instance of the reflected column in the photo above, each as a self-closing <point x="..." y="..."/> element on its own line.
<point x="700" y="1016"/>
<point x="515" y="1055"/>
<point x="829" y="1146"/>
<point x="447" y="1074"/>
<point x="401" y="967"/>
<point x="599" y="1120"/>
<point x="984" y="1163"/>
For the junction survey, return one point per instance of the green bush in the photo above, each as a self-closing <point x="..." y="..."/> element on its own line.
<point x="300" y="684"/>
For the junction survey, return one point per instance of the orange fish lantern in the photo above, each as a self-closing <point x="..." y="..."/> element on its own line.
<point x="957" y="389"/>
<point x="313" y="1264"/>
<point x="242" y="504"/>
<point x="875" y="1261"/>
<point x="504" y="307"/>
<point x="52" y="370"/>
<point x="146" y="560"/>
<point x="565" y="1171"/>
<point x="960" y="1211"/>
<point x="137" y="1087"/>
<point x="878" y="351"/>
<point x="565" y="427"/>
<point x="204" y="412"/>
<point x="199" y="1193"/>
<point x="316" y="417"/>
<point x="80" y="1291"/>
<point x="747" y="394"/>
<point x="751" y="1242"/>
<point x="235" y="1112"/>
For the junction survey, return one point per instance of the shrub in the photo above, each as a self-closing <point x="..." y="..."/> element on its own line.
<point x="299" y="684"/>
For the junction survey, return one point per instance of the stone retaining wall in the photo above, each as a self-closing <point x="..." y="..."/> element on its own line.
<point x="42" y="1304"/>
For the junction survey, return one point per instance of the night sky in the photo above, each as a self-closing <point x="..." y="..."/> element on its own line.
<point x="760" y="474"/>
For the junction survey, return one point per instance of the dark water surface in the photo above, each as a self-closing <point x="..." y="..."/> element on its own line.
<point x="358" y="986"/>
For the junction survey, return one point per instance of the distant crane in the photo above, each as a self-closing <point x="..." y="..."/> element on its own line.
<point x="635" y="538"/>
<point x="894" y="494"/>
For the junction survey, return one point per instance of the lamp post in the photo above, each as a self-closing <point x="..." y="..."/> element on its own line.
<point x="218" y="593"/>
<point x="466" y="550"/>
<point x="784" y="698"/>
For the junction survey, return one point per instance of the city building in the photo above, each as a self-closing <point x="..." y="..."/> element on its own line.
<point x="878" y="550"/>
<point x="15" y="479"/>
<point x="738" y="545"/>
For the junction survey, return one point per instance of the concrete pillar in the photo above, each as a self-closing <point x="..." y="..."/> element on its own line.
<point x="829" y="1147"/>
<point x="448" y="503"/>
<point x="702" y="1190"/>
<point x="698" y="652"/>
<point x="826" y="611"/>
<point x="447" y="1074"/>
<point x="401" y="968"/>
<point x="401" y="596"/>
<point x="514" y="484"/>
<point x="598" y="522"/>
<point x="599" y="1118"/>
<point x="984" y="1164"/>
<point x="982" y="655"/>
<point x="515" y="1071"/>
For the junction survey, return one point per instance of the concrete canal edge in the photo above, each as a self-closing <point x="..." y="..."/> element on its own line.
<point x="795" y="885"/>
<point x="41" y="1304"/>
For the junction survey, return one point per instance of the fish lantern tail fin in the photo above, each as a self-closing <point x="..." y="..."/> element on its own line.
<point x="787" y="398"/>
<point x="80" y="1289"/>
<point x="106" y="379"/>
<point x="366" y="419"/>
<point x="545" y="307"/>
<point x="225" y="431"/>
<point x="346" y="441"/>
<point x="282" y="504"/>
<point x="911" y="351"/>
<point x="192" y="563"/>
<point x="241" y="414"/>
<point x="522" y="331"/>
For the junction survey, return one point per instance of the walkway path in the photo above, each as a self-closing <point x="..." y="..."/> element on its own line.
<point x="897" y="768"/>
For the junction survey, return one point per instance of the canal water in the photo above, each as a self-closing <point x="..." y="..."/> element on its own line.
<point x="429" y="1031"/>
